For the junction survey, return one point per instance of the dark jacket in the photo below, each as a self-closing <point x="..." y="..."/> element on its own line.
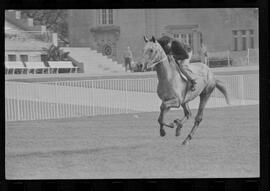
<point x="178" y="50"/>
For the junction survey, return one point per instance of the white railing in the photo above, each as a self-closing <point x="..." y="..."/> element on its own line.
<point x="65" y="99"/>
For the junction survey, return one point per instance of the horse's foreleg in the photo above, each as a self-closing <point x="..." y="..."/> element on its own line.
<point x="164" y="108"/>
<point x="204" y="96"/>
<point x="180" y="122"/>
<point x="161" y="120"/>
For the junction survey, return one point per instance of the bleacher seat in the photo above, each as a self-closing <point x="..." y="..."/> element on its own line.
<point x="35" y="66"/>
<point x="15" y="66"/>
<point x="56" y="65"/>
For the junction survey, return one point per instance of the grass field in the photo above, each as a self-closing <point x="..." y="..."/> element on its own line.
<point x="129" y="146"/>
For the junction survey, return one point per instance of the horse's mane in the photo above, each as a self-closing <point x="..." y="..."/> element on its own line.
<point x="169" y="56"/>
<point x="171" y="60"/>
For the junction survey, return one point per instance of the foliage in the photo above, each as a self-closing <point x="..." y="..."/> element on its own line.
<point x="55" y="21"/>
<point x="54" y="53"/>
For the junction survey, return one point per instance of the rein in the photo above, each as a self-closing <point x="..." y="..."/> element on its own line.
<point x="157" y="62"/>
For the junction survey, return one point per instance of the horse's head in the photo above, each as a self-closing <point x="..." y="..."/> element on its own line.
<point x="153" y="53"/>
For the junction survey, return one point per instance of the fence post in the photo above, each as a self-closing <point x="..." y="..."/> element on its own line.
<point x="241" y="89"/>
<point x="126" y="96"/>
<point x="228" y="57"/>
<point x="56" y="100"/>
<point x="248" y="56"/>
<point x="92" y="98"/>
<point x="18" y="102"/>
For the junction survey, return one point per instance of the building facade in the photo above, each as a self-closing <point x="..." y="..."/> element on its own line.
<point x="110" y="31"/>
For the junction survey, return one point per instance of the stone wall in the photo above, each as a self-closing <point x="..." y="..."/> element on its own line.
<point x="215" y="25"/>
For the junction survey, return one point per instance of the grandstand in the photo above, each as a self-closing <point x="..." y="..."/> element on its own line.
<point x="25" y="45"/>
<point x="94" y="62"/>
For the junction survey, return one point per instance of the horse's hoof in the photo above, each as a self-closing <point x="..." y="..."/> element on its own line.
<point x="177" y="133"/>
<point x="162" y="133"/>
<point x="177" y="121"/>
<point x="178" y="129"/>
<point x="186" y="140"/>
<point x="171" y="125"/>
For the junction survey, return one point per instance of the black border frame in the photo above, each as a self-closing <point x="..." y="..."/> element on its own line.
<point x="261" y="183"/>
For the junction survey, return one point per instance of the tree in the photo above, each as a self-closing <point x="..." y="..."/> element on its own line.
<point x="54" y="53"/>
<point x="54" y="20"/>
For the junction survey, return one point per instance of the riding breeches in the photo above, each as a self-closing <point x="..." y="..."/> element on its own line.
<point x="185" y="68"/>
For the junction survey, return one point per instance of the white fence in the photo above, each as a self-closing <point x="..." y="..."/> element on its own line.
<point x="65" y="99"/>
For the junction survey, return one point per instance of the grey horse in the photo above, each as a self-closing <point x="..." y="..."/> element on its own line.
<point x="174" y="90"/>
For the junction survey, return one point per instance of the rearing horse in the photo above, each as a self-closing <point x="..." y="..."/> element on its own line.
<point x="173" y="89"/>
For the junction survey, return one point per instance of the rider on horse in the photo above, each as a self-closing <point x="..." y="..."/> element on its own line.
<point x="180" y="52"/>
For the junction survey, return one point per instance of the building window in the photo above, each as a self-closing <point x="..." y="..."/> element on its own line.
<point x="110" y="16"/>
<point x="175" y="35"/>
<point x="190" y="39"/>
<point x="98" y="16"/>
<point x="184" y="38"/>
<point x="251" y="39"/>
<point x="235" y="40"/>
<point x="24" y="58"/>
<point x="105" y="16"/>
<point x="244" y="43"/>
<point x="243" y="39"/>
<point x="235" y="44"/>
<point x="201" y="38"/>
<point x="187" y="39"/>
<point x="12" y="57"/>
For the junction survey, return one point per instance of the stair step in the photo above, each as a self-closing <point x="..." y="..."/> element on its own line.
<point x="94" y="62"/>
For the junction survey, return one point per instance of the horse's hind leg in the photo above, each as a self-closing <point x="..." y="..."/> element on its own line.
<point x="164" y="108"/>
<point x="180" y="122"/>
<point x="204" y="96"/>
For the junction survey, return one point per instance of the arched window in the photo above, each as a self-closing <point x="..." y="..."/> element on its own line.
<point x="105" y="17"/>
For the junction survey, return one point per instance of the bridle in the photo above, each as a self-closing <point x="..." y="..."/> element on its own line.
<point x="157" y="62"/>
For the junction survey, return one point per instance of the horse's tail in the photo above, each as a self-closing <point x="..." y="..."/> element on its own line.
<point x="221" y="87"/>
